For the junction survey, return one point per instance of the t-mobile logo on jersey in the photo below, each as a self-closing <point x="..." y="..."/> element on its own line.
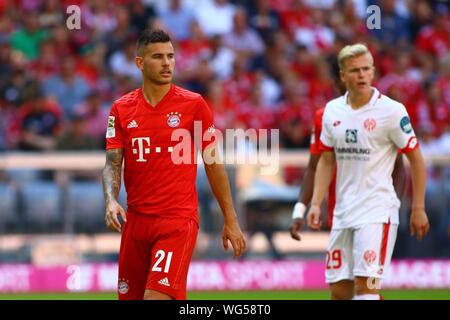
<point x="140" y="147"/>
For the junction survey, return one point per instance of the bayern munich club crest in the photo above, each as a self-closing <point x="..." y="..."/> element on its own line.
<point x="173" y="119"/>
<point x="370" y="124"/>
<point x="123" y="286"/>
<point x="370" y="256"/>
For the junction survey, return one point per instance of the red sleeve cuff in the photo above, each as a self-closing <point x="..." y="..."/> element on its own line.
<point x="412" y="144"/>
<point x="114" y="146"/>
<point x="325" y="148"/>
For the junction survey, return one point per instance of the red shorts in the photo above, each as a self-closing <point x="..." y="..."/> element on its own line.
<point x="155" y="254"/>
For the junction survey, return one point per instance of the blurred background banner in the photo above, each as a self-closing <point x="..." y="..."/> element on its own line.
<point x="261" y="64"/>
<point x="219" y="276"/>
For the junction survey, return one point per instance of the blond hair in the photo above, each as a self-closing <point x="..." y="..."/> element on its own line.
<point x="351" y="51"/>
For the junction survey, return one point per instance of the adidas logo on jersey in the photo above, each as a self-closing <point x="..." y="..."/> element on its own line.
<point x="132" y="124"/>
<point x="164" y="282"/>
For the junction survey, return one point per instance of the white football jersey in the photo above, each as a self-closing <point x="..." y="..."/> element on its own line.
<point x="366" y="142"/>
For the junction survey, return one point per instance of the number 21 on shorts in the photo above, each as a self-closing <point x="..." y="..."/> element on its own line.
<point x="160" y="255"/>
<point x="334" y="259"/>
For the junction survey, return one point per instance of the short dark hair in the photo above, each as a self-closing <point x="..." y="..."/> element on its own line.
<point x="151" y="36"/>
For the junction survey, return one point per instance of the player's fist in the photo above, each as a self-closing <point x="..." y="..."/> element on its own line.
<point x="419" y="223"/>
<point x="113" y="210"/>
<point x="313" y="218"/>
<point x="295" y="226"/>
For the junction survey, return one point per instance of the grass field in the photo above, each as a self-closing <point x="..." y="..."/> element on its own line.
<point x="443" y="294"/>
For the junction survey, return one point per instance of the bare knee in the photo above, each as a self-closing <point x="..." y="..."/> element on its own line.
<point x="365" y="285"/>
<point x="156" y="295"/>
<point x="342" y="290"/>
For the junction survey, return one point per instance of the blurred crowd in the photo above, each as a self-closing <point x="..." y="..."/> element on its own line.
<point x="259" y="63"/>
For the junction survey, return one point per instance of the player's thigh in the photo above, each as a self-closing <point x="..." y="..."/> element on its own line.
<point x="339" y="259"/>
<point x="134" y="257"/>
<point x="373" y="247"/>
<point x="171" y="255"/>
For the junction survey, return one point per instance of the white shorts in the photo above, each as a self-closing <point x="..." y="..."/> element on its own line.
<point x="363" y="252"/>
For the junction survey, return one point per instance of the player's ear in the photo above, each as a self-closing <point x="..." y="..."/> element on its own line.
<point x="374" y="70"/>
<point x="341" y="75"/>
<point x="139" y="61"/>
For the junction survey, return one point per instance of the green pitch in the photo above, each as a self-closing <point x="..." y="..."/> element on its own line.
<point x="443" y="294"/>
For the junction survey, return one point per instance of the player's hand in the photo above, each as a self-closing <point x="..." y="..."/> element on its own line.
<point x="313" y="218"/>
<point x="113" y="210"/>
<point x="296" y="225"/>
<point x="419" y="223"/>
<point x="232" y="232"/>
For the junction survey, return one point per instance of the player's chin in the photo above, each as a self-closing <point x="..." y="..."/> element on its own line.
<point x="164" y="80"/>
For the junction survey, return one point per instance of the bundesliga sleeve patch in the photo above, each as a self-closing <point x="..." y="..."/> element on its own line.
<point x="110" y="130"/>
<point x="405" y="125"/>
<point x="110" y="133"/>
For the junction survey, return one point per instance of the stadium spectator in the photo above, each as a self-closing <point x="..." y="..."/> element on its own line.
<point x="28" y="39"/>
<point x="141" y="14"/>
<point x="215" y="17"/>
<point x="51" y="14"/>
<point x="264" y="20"/>
<point x="220" y="58"/>
<point x="94" y="114"/>
<point x="67" y="87"/>
<point x="47" y="64"/>
<point x="177" y="19"/>
<point x="123" y="32"/>
<point x="98" y="16"/>
<point x="122" y="62"/>
<point x="422" y="16"/>
<point x="394" y="28"/>
<point x="316" y="36"/>
<point x="243" y="40"/>
<point x="224" y="110"/>
<point x="75" y="137"/>
<point x="239" y="84"/>
<point x="38" y="122"/>
<point x="433" y="39"/>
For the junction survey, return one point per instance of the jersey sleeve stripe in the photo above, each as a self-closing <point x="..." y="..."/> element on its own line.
<point x="412" y="144"/>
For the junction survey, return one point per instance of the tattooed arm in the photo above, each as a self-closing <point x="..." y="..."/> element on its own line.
<point x="112" y="174"/>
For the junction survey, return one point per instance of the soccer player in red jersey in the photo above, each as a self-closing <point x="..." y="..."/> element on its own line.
<point x="160" y="227"/>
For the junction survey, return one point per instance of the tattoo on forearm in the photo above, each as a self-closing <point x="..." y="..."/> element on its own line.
<point x="112" y="173"/>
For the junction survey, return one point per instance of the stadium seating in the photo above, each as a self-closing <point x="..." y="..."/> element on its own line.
<point x="85" y="206"/>
<point x="8" y="208"/>
<point x="42" y="206"/>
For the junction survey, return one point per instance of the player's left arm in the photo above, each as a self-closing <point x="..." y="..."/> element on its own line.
<point x="218" y="180"/>
<point x="419" y="221"/>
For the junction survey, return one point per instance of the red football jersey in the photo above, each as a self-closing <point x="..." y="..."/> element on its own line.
<point x="151" y="137"/>
<point x="315" y="147"/>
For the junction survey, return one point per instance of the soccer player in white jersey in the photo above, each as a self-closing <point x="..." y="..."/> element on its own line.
<point x="361" y="133"/>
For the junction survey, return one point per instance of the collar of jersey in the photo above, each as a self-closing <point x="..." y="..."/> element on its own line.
<point x="160" y="103"/>
<point x="373" y="99"/>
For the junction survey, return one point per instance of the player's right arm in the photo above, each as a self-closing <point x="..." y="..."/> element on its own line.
<point x="112" y="174"/>
<point x="307" y="187"/>
<point x="322" y="180"/>
<point x="306" y="191"/>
